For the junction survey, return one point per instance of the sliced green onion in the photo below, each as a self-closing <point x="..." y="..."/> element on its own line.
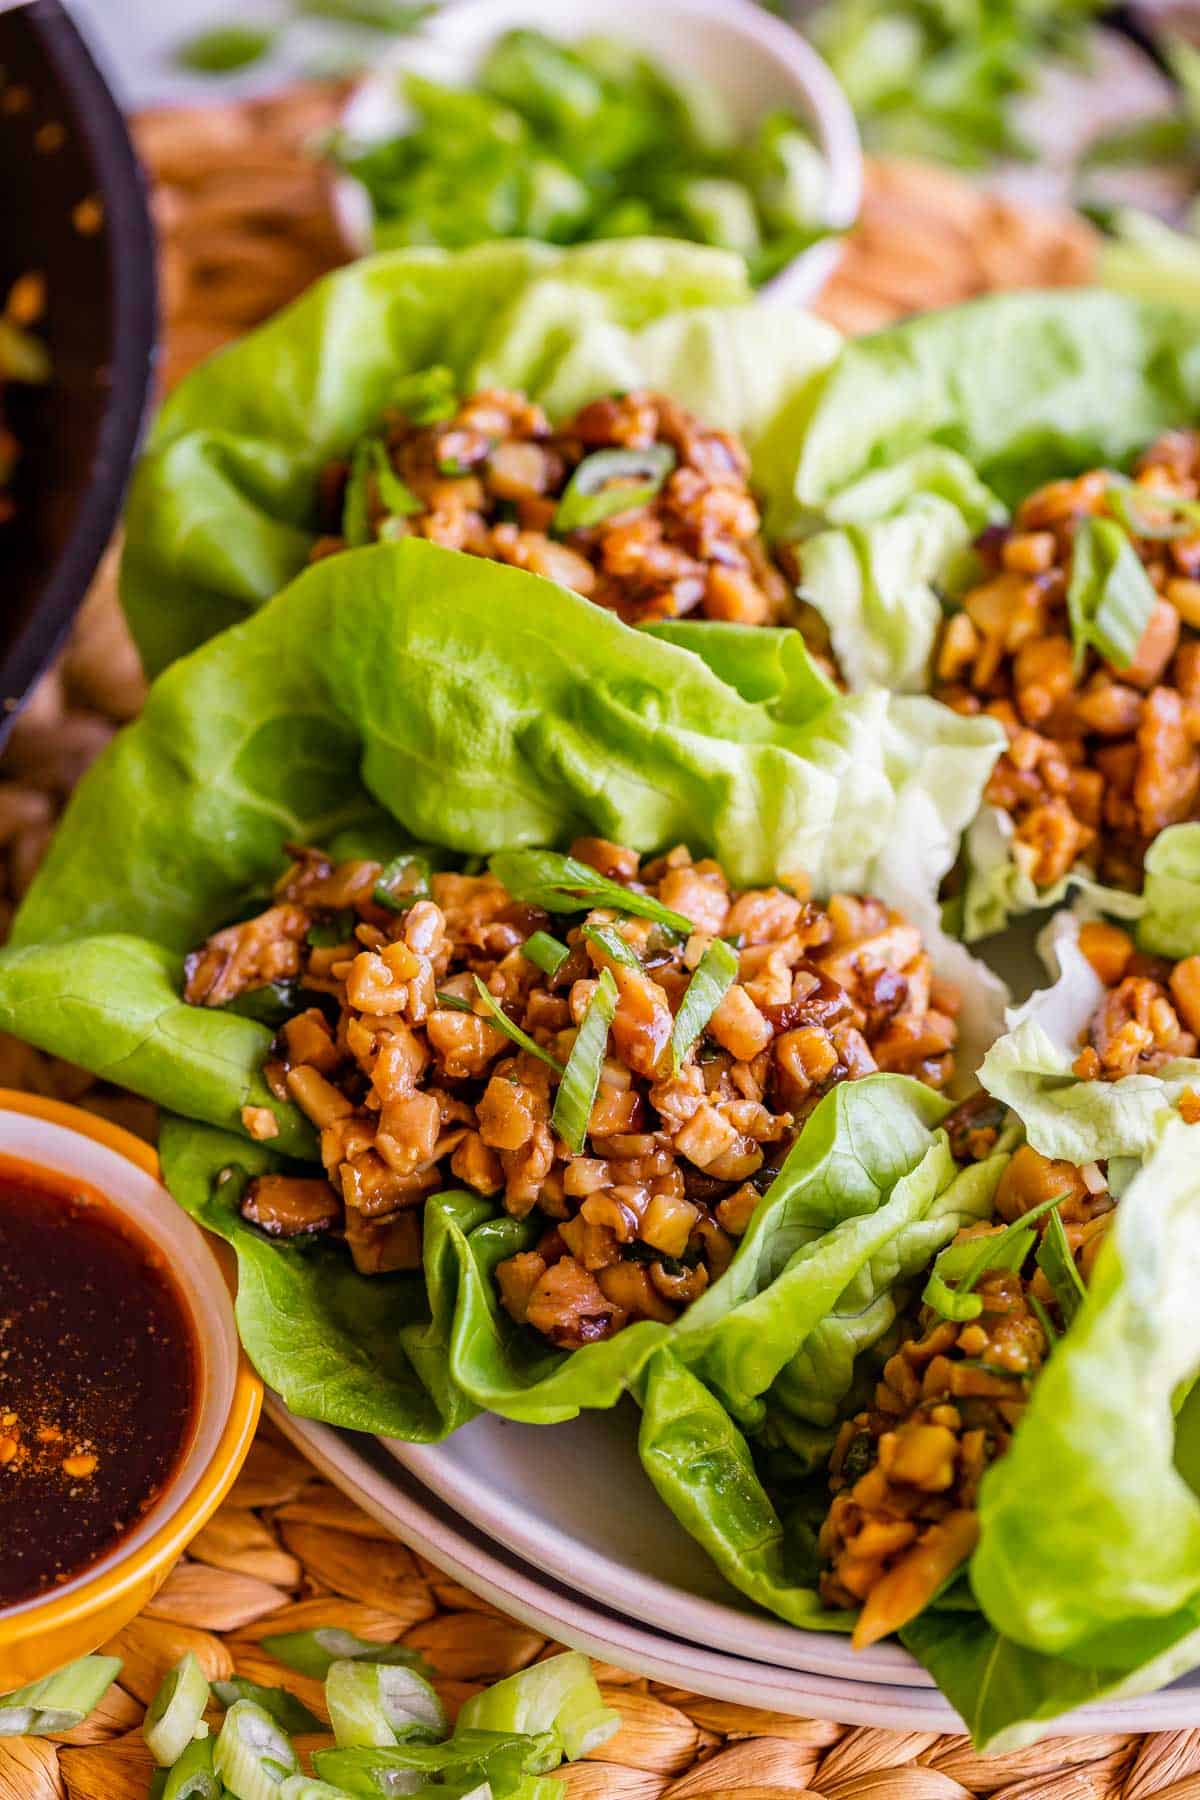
<point x="502" y="1022"/>
<point x="158" y="1785"/>
<point x="396" y="495"/>
<point x="271" y="1004"/>
<point x="289" y="1713"/>
<point x="427" y="396"/>
<point x="60" y="1701"/>
<point x="380" y="1704"/>
<point x="1058" y="1265"/>
<point x="967" y="1262"/>
<point x="712" y="979"/>
<point x="610" y="482"/>
<point x="501" y="1758"/>
<point x="252" y="1756"/>
<point x="452" y="1002"/>
<point x="581" y="1078"/>
<point x="327" y="934"/>
<point x="176" y="1711"/>
<point x="369" y="460"/>
<point x="1044" y="1320"/>
<point x="193" y="1777"/>
<point x="610" y="941"/>
<point x="306" y="1787"/>
<point x="560" y="884"/>
<point x="950" y="1302"/>
<point x="315" y="1652"/>
<point x="558" y="1695"/>
<point x="1183" y="514"/>
<point x="545" y="952"/>
<point x="356" y="518"/>
<point x="402" y="883"/>
<point x="1110" y="598"/>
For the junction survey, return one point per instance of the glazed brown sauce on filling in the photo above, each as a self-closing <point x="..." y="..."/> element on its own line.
<point x="97" y="1378"/>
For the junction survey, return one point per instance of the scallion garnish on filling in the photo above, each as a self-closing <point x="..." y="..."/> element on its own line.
<point x="627" y="1082"/>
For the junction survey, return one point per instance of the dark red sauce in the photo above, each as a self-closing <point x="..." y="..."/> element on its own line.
<point x="97" y="1378"/>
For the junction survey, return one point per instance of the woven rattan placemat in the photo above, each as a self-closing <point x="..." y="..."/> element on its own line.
<point x="242" y="211"/>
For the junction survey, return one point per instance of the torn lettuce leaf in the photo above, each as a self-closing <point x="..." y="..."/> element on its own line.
<point x="1030" y="1068"/>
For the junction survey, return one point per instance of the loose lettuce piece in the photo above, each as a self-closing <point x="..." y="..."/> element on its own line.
<point x="1090" y="1565"/>
<point x="878" y="555"/>
<point x="222" y="508"/>
<point x="1169" y="924"/>
<point x="1030" y="1068"/>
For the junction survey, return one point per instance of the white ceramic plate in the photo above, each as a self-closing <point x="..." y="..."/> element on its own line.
<point x="362" y="1468"/>
<point x="547" y="1495"/>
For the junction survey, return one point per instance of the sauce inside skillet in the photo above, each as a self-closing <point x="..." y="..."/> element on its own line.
<point x="97" y="1378"/>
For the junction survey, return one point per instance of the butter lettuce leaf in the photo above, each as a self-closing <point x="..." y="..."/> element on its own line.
<point x="1088" y="1564"/>
<point x="222" y="510"/>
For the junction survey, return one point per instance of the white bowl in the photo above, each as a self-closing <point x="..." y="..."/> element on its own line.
<point x="755" y="61"/>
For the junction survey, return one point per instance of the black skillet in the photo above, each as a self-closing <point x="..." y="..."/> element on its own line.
<point x="73" y="207"/>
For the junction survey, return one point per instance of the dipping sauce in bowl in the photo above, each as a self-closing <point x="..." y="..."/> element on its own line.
<point x="117" y="1329"/>
<point x="98" y="1380"/>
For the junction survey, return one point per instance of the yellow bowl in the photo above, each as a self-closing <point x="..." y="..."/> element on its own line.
<point x="42" y="1634"/>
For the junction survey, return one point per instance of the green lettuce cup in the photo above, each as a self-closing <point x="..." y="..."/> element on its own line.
<point x="405" y="695"/>
<point x="224" y="509"/>
<point x="1082" y="1583"/>
<point x="973" y="514"/>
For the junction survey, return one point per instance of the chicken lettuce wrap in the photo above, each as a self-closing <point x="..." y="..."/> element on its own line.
<point x="492" y="957"/>
<point x="616" y="417"/>
<point x="998" y="504"/>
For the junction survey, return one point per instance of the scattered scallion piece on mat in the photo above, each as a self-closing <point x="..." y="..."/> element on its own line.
<point x="315" y="1652"/>
<point x="287" y="1711"/>
<point x="377" y="1704"/>
<point x="252" y="1755"/>
<point x="60" y="1701"/>
<point x="176" y="1713"/>
<point x="193" y="1776"/>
